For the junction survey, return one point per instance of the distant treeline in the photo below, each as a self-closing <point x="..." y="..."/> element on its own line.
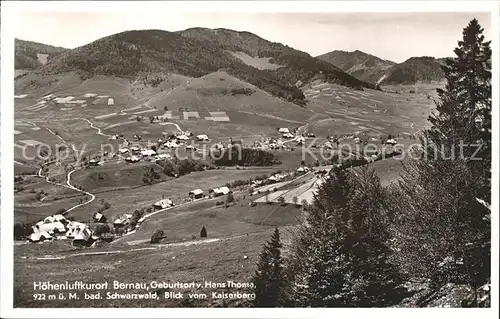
<point x="245" y="157"/>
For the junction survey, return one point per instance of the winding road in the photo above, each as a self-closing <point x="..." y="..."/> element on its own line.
<point x="99" y="131"/>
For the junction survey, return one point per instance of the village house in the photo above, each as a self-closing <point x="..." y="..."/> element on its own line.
<point x="99" y="218"/>
<point x="123" y="220"/>
<point x="135" y="150"/>
<point x="196" y="193"/>
<point x="132" y="159"/>
<point x="220" y="191"/>
<point x="170" y="144"/>
<point x="183" y="137"/>
<point x="391" y="141"/>
<point x="162" y="204"/>
<point x="74" y="228"/>
<point x="82" y="237"/>
<point x="148" y="153"/>
<point x="52" y="228"/>
<point x="40" y="236"/>
<point x="163" y="156"/>
<point x="93" y="162"/>
<point x="202" y="137"/>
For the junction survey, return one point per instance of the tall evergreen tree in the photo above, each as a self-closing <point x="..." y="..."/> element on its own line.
<point x="464" y="106"/>
<point x="443" y="230"/>
<point x="342" y="253"/>
<point x="269" y="277"/>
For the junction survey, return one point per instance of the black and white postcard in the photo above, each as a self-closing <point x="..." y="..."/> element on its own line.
<point x="278" y="155"/>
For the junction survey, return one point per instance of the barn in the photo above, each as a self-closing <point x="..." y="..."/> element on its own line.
<point x="196" y="193"/>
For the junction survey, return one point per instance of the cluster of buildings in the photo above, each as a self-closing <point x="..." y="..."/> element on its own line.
<point x="58" y="227"/>
<point x="212" y="193"/>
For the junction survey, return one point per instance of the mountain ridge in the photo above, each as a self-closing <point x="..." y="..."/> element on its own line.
<point x="370" y="68"/>
<point x="359" y="64"/>
<point x="27" y="53"/>
<point x="197" y="52"/>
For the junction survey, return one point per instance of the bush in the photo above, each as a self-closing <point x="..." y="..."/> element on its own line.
<point x="101" y="229"/>
<point x="157" y="236"/>
<point x="22" y="230"/>
<point x="136" y="215"/>
<point x="281" y="200"/>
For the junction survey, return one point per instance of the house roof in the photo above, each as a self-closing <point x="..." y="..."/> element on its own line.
<point x="163" y="156"/>
<point x="59" y="217"/>
<point x="72" y="226"/>
<point x="84" y="234"/>
<point x="222" y="190"/>
<point x="196" y="191"/>
<point x="38" y="236"/>
<point x="391" y="141"/>
<point x="164" y="203"/>
<point x="148" y="152"/>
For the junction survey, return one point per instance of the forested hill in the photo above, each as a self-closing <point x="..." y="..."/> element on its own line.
<point x="195" y="52"/>
<point x="298" y="65"/>
<point x="359" y="64"/>
<point x="416" y="69"/>
<point x="31" y="55"/>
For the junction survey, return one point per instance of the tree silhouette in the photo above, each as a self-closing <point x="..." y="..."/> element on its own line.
<point x="203" y="232"/>
<point x="269" y="279"/>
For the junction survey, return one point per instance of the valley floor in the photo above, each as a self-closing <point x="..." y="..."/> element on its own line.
<point x="108" y="111"/>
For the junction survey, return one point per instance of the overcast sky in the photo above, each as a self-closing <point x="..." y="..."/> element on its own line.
<point x="392" y="36"/>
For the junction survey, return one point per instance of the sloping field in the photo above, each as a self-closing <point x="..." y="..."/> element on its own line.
<point x="256" y="62"/>
<point x="114" y="175"/>
<point x="370" y="111"/>
<point x="142" y="196"/>
<point x="185" y="221"/>
<point x="28" y="209"/>
<point x="42" y="84"/>
<point x="211" y="260"/>
<point x="214" y="92"/>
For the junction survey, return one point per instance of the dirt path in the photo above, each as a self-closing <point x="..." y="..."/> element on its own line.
<point x="68" y="182"/>
<point x="156" y="247"/>
<point x="99" y="131"/>
<point x="68" y="176"/>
